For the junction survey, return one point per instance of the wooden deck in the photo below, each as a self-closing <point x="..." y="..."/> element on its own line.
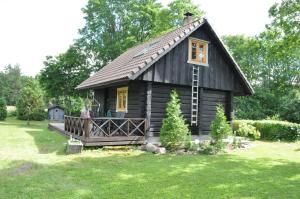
<point x="103" y="131"/>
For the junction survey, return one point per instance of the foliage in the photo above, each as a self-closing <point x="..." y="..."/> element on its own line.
<point x="273" y="130"/>
<point x="271" y="61"/>
<point x="174" y="131"/>
<point x="11" y="82"/>
<point x="247" y="130"/>
<point x="3" y="109"/>
<point x="290" y="106"/>
<point x="30" y="105"/>
<point x="113" y="26"/>
<point x="64" y="72"/>
<point x="219" y="127"/>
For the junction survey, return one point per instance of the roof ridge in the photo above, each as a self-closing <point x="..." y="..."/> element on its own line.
<point x="191" y="26"/>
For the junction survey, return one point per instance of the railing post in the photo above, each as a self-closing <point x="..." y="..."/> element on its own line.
<point x="86" y="124"/>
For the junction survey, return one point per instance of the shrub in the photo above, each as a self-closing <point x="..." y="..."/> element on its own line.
<point x="30" y="105"/>
<point x="219" y="127"/>
<point x="273" y="130"/>
<point x="174" y="131"/>
<point x="247" y="130"/>
<point x="290" y="106"/>
<point x="3" y="109"/>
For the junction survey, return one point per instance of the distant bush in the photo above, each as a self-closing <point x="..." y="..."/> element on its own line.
<point x="219" y="127"/>
<point x="290" y="106"/>
<point x="3" y="109"/>
<point x="174" y="131"/>
<point x="272" y="129"/>
<point x="30" y="105"/>
<point x="247" y="130"/>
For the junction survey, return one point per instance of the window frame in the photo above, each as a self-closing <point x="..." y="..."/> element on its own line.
<point x="120" y="89"/>
<point x="190" y="61"/>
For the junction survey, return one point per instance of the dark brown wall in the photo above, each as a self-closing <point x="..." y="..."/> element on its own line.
<point x="210" y="99"/>
<point x="207" y="106"/>
<point x="173" y="67"/>
<point x="136" y="99"/>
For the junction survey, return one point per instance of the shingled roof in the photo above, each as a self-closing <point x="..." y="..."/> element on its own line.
<point x="139" y="57"/>
<point x="130" y="64"/>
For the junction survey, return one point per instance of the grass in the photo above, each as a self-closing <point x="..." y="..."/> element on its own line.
<point x="33" y="165"/>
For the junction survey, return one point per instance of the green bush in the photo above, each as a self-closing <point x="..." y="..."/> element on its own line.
<point x="219" y="127"/>
<point x="247" y="130"/>
<point x="290" y="106"/>
<point x="272" y="129"/>
<point x="30" y="105"/>
<point x="3" y="109"/>
<point x="174" y="131"/>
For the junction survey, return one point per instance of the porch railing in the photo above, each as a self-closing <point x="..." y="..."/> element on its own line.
<point x="105" y="127"/>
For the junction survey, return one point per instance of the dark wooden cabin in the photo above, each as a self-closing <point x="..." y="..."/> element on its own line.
<point x="191" y="59"/>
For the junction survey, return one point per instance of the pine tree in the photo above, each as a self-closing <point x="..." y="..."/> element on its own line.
<point x="174" y="130"/>
<point x="219" y="127"/>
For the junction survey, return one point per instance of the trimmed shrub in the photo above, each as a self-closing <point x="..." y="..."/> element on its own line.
<point x="272" y="129"/>
<point x="3" y="109"/>
<point x="247" y="130"/>
<point x="174" y="131"/>
<point x="219" y="127"/>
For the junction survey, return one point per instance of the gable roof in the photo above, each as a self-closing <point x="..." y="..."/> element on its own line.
<point x="136" y="60"/>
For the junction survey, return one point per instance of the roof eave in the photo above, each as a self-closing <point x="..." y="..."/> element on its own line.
<point x="93" y="86"/>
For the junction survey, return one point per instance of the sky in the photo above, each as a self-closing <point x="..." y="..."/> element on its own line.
<point x="32" y="29"/>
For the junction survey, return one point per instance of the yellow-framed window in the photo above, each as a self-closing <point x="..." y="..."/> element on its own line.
<point x="122" y="99"/>
<point x="198" y="51"/>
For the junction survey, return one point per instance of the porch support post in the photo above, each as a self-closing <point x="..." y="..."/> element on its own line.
<point x="149" y="133"/>
<point x="86" y="124"/>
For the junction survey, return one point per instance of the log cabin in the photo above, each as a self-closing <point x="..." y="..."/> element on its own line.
<point x="132" y="91"/>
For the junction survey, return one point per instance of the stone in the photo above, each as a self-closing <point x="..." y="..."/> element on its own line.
<point x="74" y="147"/>
<point x="151" y="148"/>
<point x="161" y="150"/>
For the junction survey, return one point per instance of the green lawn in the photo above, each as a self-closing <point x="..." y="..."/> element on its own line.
<point x="33" y="165"/>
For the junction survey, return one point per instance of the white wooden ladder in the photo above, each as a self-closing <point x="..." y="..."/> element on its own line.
<point x="195" y="93"/>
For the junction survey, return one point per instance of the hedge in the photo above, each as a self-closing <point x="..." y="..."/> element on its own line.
<point x="273" y="129"/>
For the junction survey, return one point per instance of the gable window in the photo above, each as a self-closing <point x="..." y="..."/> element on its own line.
<point x="198" y="52"/>
<point x="122" y="98"/>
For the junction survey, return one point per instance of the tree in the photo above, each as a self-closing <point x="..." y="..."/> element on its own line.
<point x="113" y="26"/>
<point x="174" y="130"/>
<point x="271" y="62"/>
<point x="174" y="14"/>
<point x="63" y="73"/>
<point x="30" y="105"/>
<point x="11" y="82"/>
<point x="219" y="127"/>
<point x="3" y="109"/>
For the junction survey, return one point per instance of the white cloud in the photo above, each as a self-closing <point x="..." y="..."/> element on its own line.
<point x="32" y="29"/>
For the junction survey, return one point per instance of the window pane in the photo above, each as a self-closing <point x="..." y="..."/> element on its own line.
<point x="194" y="49"/>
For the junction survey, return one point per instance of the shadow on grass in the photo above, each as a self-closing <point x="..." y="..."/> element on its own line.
<point x="45" y="140"/>
<point x="150" y="176"/>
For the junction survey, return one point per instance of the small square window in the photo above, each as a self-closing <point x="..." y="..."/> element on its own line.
<point x="198" y="52"/>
